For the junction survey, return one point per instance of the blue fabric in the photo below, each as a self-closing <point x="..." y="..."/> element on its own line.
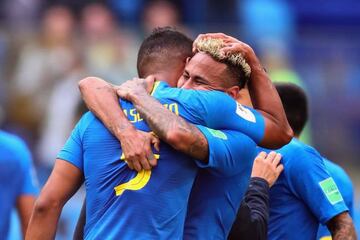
<point x="219" y="189"/>
<point x="297" y="202"/>
<point x="215" y="110"/>
<point x="17" y="176"/>
<point x="345" y="186"/>
<point x="158" y="209"/>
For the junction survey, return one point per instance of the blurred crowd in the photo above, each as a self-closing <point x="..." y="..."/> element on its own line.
<point x="47" y="46"/>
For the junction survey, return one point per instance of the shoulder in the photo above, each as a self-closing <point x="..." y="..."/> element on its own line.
<point x="15" y="147"/>
<point x="85" y="120"/>
<point x="338" y="173"/>
<point x="12" y="142"/>
<point x="298" y="156"/>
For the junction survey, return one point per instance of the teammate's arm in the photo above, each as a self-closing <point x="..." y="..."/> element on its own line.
<point x="169" y="127"/>
<point x="263" y="94"/>
<point x="24" y="206"/>
<point x="341" y="227"/>
<point x="29" y="187"/>
<point x="100" y="97"/>
<point x="253" y="215"/>
<point x="63" y="182"/>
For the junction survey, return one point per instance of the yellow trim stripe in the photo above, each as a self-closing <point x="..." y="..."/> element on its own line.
<point x="326" y="238"/>
<point x="136" y="183"/>
<point x="156" y="84"/>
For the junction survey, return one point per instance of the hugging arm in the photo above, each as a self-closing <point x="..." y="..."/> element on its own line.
<point x="266" y="100"/>
<point x="169" y="127"/>
<point x="100" y="97"/>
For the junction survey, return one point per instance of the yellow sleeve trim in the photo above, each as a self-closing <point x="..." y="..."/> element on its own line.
<point x="326" y="238"/>
<point x="136" y="183"/>
<point x="156" y="84"/>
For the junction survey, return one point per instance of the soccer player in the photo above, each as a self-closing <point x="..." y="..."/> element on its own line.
<point x="305" y="195"/>
<point x="218" y="210"/>
<point x="157" y="197"/>
<point x="296" y="107"/>
<point x="295" y="104"/>
<point x="17" y="179"/>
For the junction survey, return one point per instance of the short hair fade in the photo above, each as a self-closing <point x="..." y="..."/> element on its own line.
<point x="163" y="43"/>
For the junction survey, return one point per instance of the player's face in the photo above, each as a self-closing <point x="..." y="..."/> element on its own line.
<point x="202" y="72"/>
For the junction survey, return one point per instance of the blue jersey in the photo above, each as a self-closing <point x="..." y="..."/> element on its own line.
<point x="303" y="196"/>
<point x="122" y="203"/>
<point x="215" y="197"/>
<point x="17" y="176"/>
<point x="345" y="186"/>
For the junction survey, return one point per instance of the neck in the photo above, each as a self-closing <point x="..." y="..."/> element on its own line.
<point x="244" y="98"/>
<point x="165" y="76"/>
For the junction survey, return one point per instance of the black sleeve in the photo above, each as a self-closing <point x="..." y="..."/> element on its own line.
<point x="252" y="218"/>
<point x="79" y="230"/>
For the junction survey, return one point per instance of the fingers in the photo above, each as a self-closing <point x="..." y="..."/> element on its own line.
<point x="270" y="157"/>
<point x="121" y="93"/>
<point x="144" y="161"/>
<point x="277" y="159"/>
<point x="137" y="166"/>
<point x="262" y="155"/>
<point x="279" y="169"/>
<point x="130" y="165"/>
<point x="152" y="160"/>
<point x="149" y="83"/>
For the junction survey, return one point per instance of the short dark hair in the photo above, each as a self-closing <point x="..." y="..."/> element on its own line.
<point x="238" y="73"/>
<point x="295" y="104"/>
<point x="164" y="45"/>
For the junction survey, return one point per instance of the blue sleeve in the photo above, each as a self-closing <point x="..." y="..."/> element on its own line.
<point x="229" y="151"/>
<point x="72" y="151"/>
<point x="30" y="184"/>
<point x="310" y="181"/>
<point x="215" y="110"/>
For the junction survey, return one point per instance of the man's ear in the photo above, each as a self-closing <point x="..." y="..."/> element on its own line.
<point x="233" y="91"/>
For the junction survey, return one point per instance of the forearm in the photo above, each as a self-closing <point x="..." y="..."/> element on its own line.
<point x="43" y="222"/>
<point x="171" y="128"/>
<point x="252" y="218"/>
<point x="101" y="99"/>
<point x="257" y="197"/>
<point x="25" y="204"/>
<point x="342" y="227"/>
<point x="266" y="99"/>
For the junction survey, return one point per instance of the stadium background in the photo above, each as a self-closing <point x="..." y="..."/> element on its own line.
<point x="46" y="47"/>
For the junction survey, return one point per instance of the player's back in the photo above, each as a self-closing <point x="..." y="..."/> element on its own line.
<point x="152" y="202"/>
<point x="12" y="165"/>
<point x="300" y="200"/>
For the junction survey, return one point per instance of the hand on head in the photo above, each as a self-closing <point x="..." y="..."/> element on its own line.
<point x="230" y="44"/>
